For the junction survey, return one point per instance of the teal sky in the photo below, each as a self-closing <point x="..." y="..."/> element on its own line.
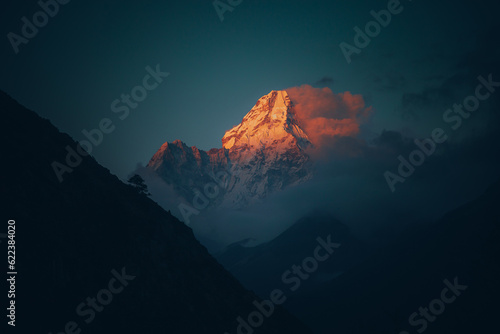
<point x="91" y="52"/>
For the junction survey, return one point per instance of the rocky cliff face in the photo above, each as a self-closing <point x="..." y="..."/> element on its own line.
<point x="265" y="153"/>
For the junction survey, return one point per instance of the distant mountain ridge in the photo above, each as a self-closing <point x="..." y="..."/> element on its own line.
<point x="265" y="153"/>
<point x="387" y="291"/>
<point x="260" y="268"/>
<point x="387" y="287"/>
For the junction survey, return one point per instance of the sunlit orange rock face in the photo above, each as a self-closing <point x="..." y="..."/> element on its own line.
<point x="263" y="154"/>
<point x="271" y="123"/>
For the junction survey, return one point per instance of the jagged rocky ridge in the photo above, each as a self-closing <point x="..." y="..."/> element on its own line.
<point x="265" y="153"/>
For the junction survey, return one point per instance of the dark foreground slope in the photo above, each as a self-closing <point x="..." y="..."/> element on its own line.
<point x="70" y="236"/>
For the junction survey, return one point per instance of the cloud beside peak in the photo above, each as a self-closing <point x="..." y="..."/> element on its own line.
<point x="326" y="116"/>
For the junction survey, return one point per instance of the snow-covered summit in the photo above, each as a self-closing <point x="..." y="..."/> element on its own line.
<point x="265" y="153"/>
<point x="271" y="122"/>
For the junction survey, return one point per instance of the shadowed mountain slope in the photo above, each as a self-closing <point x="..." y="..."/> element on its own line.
<point x="381" y="294"/>
<point x="71" y="235"/>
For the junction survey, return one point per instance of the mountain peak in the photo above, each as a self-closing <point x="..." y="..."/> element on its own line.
<point x="263" y="154"/>
<point x="271" y="122"/>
